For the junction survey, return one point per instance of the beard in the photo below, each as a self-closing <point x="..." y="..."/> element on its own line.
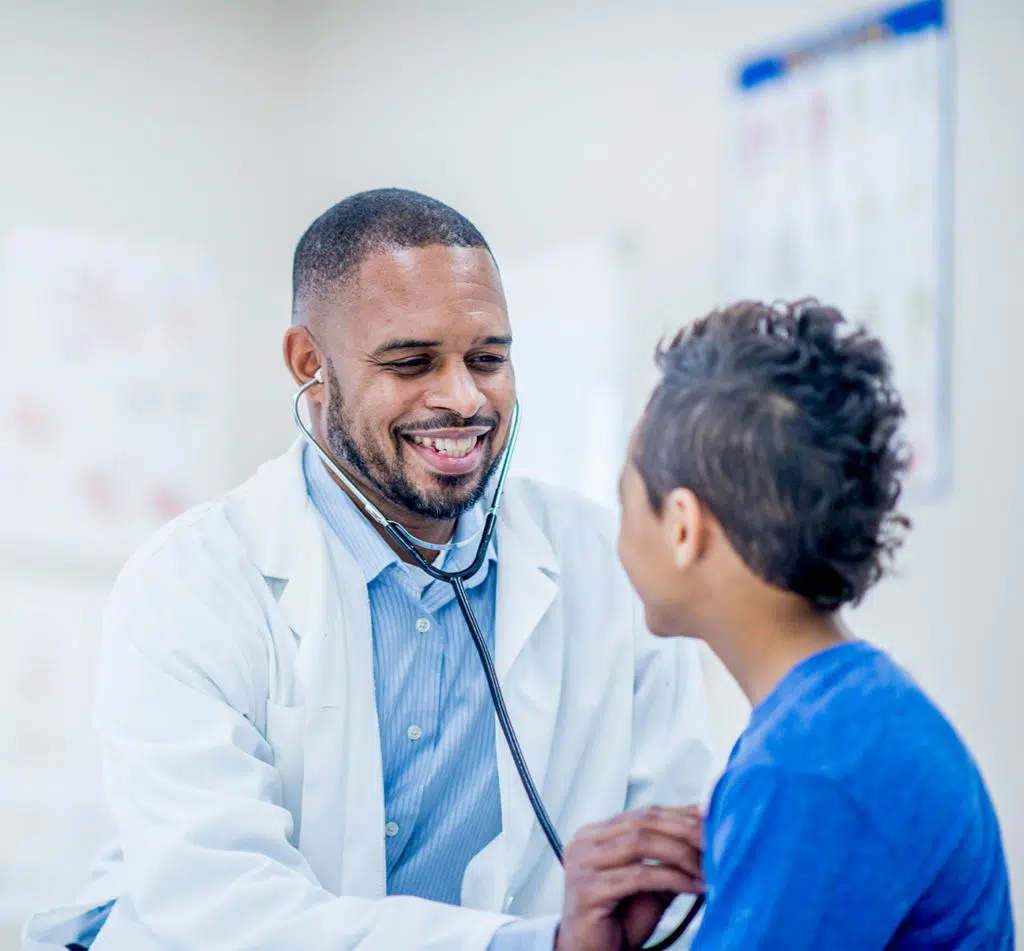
<point x="450" y="496"/>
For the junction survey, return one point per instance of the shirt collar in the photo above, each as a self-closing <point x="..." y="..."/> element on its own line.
<point x="373" y="555"/>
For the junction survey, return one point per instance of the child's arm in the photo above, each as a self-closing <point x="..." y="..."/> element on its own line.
<point x="793" y="863"/>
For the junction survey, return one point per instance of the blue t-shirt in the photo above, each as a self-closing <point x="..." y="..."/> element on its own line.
<point x="851" y="816"/>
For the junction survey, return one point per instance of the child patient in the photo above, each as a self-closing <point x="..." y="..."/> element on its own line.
<point x="758" y="499"/>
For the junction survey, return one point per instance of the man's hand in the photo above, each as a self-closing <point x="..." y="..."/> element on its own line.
<point x="614" y="895"/>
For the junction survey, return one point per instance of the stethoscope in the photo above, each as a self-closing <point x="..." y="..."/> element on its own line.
<point x="457" y="579"/>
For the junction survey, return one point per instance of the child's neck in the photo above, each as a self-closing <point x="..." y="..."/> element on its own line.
<point x="761" y="649"/>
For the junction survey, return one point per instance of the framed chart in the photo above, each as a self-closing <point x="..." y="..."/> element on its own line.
<point x="838" y="186"/>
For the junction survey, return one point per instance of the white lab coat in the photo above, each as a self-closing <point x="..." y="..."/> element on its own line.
<point x="239" y="735"/>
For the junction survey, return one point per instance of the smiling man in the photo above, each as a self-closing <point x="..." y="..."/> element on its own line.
<point x="298" y="741"/>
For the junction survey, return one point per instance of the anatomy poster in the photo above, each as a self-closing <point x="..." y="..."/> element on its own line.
<point x="837" y="187"/>
<point x="111" y="393"/>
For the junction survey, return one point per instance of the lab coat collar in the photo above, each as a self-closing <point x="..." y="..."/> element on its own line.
<point x="280" y="526"/>
<point x="276" y="515"/>
<point x="527" y="578"/>
<point x="283" y="534"/>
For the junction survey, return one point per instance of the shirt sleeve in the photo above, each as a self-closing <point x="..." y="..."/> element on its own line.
<point x="527" y="934"/>
<point x="794" y="863"/>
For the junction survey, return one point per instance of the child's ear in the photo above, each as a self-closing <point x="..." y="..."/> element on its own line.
<point x="686" y="525"/>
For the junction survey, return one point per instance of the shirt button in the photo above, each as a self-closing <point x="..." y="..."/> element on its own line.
<point x="414" y="732"/>
<point x="391" y="829"/>
<point x="423" y="625"/>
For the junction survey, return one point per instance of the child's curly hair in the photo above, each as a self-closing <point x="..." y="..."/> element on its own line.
<point x="785" y="422"/>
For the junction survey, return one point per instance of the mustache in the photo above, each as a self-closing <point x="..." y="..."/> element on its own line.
<point x="450" y="421"/>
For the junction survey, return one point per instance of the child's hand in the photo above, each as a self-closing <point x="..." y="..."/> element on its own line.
<point x="622" y="874"/>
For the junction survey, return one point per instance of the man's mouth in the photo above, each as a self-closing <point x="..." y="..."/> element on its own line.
<point x="450" y="452"/>
<point x="456" y="448"/>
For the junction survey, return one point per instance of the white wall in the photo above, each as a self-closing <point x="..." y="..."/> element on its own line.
<point x="165" y="124"/>
<point x="229" y="126"/>
<point x="545" y="121"/>
<point x="168" y="123"/>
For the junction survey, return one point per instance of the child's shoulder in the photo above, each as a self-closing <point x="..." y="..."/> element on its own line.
<point x="849" y="745"/>
<point x="853" y="717"/>
<point x="853" y="697"/>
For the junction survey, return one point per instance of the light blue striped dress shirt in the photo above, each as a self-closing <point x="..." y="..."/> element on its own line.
<point x="437" y="733"/>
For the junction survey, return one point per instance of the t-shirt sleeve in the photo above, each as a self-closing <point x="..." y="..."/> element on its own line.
<point x="794" y="863"/>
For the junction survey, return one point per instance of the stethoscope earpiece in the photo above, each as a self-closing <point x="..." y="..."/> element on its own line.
<point x="318" y="376"/>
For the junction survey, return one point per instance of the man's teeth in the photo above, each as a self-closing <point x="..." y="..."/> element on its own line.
<point x="455" y="448"/>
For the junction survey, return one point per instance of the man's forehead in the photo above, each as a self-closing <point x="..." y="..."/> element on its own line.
<point x="415" y="274"/>
<point x="397" y="290"/>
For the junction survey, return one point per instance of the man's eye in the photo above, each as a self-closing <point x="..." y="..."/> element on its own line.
<point x="489" y="361"/>
<point x="410" y="366"/>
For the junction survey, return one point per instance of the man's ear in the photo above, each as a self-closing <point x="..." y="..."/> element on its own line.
<point x="303" y="358"/>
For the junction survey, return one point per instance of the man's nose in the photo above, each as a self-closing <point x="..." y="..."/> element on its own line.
<point x="455" y="390"/>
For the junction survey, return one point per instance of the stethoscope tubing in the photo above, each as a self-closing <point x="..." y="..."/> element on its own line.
<point x="457" y="579"/>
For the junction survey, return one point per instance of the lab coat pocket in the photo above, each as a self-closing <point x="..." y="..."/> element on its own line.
<point x="286" y="727"/>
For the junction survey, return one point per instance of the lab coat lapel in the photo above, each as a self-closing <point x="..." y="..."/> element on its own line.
<point x="342" y="809"/>
<point x="529" y="664"/>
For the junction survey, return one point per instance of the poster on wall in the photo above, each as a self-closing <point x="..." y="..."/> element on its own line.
<point x="111" y="392"/>
<point x="838" y="187"/>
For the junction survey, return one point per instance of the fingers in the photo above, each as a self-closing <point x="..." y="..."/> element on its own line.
<point x="608" y="888"/>
<point x="640" y="845"/>
<point x="650" y="850"/>
<point x="672" y="836"/>
<point x="686" y="824"/>
<point x="648" y="856"/>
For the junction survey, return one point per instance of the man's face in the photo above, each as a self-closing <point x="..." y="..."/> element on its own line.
<point x="420" y="385"/>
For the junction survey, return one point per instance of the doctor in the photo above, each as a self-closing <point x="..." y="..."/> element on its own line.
<point x="298" y="743"/>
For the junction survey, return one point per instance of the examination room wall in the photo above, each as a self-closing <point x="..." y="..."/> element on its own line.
<point x="225" y="127"/>
<point x="162" y="126"/>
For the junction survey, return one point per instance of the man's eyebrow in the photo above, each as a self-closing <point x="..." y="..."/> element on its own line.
<point x="409" y="343"/>
<point x="405" y="344"/>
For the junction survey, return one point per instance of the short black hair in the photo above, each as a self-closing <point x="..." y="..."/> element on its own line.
<point x="334" y="245"/>
<point x="784" y="421"/>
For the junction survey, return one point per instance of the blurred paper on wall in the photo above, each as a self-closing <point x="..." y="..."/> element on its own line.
<point x="111" y="393"/>
<point x="566" y="308"/>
